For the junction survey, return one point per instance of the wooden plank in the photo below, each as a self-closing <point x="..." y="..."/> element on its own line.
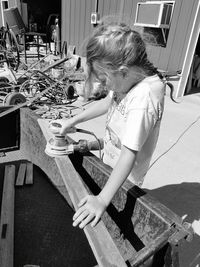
<point x="101" y="243"/>
<point x="95" y="174"/>
<point x="33" y="147"/>
<point x="94" y="166"/>
<point x="29" y="173"/>
<point x="7" y="218"/>
<point x="21" y="175"/>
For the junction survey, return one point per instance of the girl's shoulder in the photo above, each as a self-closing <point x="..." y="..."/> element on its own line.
<point x="149" y="85"/>
<point x="151" y="89"/>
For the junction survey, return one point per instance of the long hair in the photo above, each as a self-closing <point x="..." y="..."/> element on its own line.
<point x="117" y="45"/>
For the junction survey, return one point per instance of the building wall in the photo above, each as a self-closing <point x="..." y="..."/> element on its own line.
<point x="76" y="27"/>
<point x="11" y="3"/>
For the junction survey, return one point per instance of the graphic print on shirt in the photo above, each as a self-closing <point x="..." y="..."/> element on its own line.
<point x="117" y="109"/>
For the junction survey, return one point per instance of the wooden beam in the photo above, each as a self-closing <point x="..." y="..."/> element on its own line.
<point x="33" y="147"/>
<point x="101" y="243"/>
<point x="21" y="174"/>
<point x="29" y="173"/>
<point x="7" y="218"/>
<point x="133" y="211"/>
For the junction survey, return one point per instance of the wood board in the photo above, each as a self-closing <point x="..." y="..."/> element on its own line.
<point x="7" y="218"/>
<point x="101" y="243"/>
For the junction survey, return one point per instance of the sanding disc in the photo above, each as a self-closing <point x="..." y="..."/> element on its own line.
<point x="56" y="151"/>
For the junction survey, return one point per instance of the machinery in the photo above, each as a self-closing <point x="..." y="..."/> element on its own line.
<point x="9" y="87"/>
<point x="60" y="145"/>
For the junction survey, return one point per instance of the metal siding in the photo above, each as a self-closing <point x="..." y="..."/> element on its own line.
<point x="77" y="22"/>
<point x="154" y="56"/>
<point x="82" y="26"/>
<point x="72" y="22"/>
<point x="166" y="52"/>
<point x="106" y="8"/>
<point x="12" y="3"/>
<point x="171" y="57"/>
<point x="65" y="23"/>
<point x="179" y="37"/>
<point x="118" y="7"/>
<point x="113" y="7"/>
<point x="76" y="26"/>
<point x="110" y="7"/>
<point x="187" y="35"/>
<point x="88" y="26"/>
<point x="128" y="11"/>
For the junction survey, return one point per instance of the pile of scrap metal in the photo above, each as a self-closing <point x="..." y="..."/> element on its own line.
<point x="50" y="81"/>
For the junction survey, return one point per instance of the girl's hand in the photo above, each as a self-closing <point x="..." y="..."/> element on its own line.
<point x="90" y="210"/>
<point x="61" y="126"/>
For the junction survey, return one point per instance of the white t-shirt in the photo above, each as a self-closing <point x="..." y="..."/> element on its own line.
<point x="133" y="120"/>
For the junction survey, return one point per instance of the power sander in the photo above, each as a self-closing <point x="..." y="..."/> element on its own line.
<point x="60" y="145"/>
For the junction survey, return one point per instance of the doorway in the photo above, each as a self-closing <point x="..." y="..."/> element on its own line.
<point x="189" y="55"/>
<point x="193" y="83"/>
<point x="39" y="12"/>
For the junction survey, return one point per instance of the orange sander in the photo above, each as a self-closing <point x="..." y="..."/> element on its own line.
<point x="59" y="145"/>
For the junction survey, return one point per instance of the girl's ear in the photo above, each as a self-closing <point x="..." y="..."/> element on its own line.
<point x="124" y="71"/>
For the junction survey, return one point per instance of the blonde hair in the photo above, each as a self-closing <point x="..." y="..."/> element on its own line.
<point x="117" y="45"/>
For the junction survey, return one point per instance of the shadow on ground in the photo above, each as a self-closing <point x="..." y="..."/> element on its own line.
<point x="183" y="199"/>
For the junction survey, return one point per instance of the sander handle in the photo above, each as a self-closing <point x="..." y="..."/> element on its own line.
<point x="85" y="146"/>
<point x="55" y="128"/>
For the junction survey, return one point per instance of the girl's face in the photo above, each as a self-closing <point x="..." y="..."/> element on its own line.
<point x="120" y="81"/>
<point x="112" y="79"/>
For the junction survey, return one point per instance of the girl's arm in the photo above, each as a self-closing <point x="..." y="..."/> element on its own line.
<point x="91" y="207"/>
<point x="97" y="109"/>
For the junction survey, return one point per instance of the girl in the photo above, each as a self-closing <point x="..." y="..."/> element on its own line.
<point x="117" y="57"/>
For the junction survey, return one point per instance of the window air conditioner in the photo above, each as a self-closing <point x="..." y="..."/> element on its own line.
<point x="156" y="14"/>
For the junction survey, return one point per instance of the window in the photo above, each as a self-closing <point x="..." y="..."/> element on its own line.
<point x="5" y="4"/>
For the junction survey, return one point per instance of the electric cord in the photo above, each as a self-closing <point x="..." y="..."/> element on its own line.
<point x="181" y="135"/>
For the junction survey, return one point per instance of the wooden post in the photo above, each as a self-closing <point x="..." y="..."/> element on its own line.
<point x="7" y="218"/>
<point x="21" y="175"/>
<point x="29" y="173"/>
